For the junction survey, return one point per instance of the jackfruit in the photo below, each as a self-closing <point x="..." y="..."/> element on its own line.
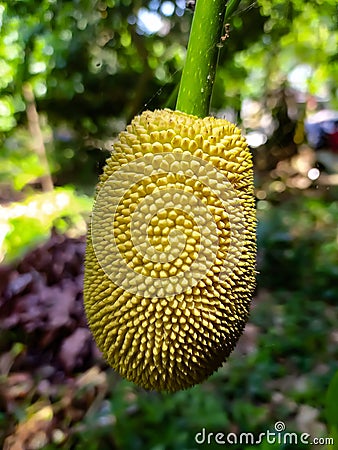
<point x="171" y="247"/>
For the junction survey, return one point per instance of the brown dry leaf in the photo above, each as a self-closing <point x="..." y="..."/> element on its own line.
<point x="248" y="341"/>
<point x="74" y="349"/>
<point x="307" y="421"/>
<point x="41" y="298"/>
<point x="32" y="433"/>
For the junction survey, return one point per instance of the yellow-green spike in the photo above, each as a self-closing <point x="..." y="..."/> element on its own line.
<point x="170" y="258"/>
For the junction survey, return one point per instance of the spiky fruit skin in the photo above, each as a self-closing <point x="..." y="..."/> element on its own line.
<point x="174" y="341"/>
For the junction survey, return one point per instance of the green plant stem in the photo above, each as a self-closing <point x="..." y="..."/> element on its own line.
<point x="199" y="71"/>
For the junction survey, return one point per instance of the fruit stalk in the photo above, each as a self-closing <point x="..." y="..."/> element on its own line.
<point x="202" y="54"/>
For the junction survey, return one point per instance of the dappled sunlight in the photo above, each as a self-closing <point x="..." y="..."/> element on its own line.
<point x="25" y="224"/>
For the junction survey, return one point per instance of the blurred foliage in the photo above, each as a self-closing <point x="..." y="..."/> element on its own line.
<point x="300" y="231"/>
<point x="29" y="222"/>
<point x="280" y="370"/>
<point x="292" y="36"/>
<point x="94" y="64"/>
<point x="332" y="408"/>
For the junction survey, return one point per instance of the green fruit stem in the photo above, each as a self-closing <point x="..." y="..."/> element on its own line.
<point x="199" y="71"/>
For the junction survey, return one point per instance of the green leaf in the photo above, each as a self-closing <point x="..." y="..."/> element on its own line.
<point x="332" y="409"/>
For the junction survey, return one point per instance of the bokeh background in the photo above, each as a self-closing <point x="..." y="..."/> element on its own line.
<point x="72" y="75"/>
